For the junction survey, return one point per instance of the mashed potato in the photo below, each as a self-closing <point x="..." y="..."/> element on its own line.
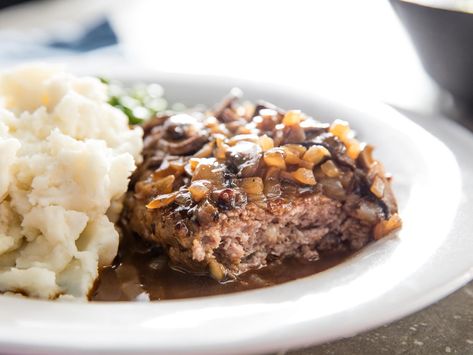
<point x="65" y="160"/>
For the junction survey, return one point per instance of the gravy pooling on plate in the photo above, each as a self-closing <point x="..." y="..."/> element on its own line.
<point x="142" y="272"/>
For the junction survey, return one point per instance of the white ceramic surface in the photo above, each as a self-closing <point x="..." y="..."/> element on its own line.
<point x="389" y="279"/>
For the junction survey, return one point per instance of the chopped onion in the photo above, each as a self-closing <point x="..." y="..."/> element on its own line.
<point x="315" y="154"/>
<point x="164" y="185"/>
<point x="162" y="200"/>
<point x="333" y="188"/>
<point x="217" y="271"/>
<point x="330" y="169"/>
<point x="252" y="185"/>
<point x="292" y="117"/>
<point x="385" y="228"/>
<point x="275" y="157"/>
<point x="265" y="142"/>
<point x="377" y="187"/>
<point x="304" y="176"/>
<point x="199" y="189"/>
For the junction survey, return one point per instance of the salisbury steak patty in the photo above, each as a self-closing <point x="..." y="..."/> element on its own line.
<point x="231" y="190"/>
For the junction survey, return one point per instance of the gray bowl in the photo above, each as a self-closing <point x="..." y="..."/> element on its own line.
<point x="444" y="41"/>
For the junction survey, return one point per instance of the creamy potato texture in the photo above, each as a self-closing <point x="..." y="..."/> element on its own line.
<point x="66" y="157"/>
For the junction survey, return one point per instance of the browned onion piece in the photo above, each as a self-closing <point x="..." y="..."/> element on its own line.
<point x="205" y="151"/>
<point x="208" y="170"/>
<point x="272" y="189"/>
<point x="207" y="213"/>
<point x="199" y="189"/>
<point x="293" y="117"/>
<point x="164" y="185"/>
<point x="304" y="176"/>
<point x="272" y="184"/>
<point x="377" y="187"/>
<point x="366" y="157"/>
<point x="368" y="211"/>
<point x="333" y="188"/>
<point x="275" y="158"/>
<point x="294" y="134"/>
<point x="162" y="200"/>
<point x="252" y="185"/>
<point x="385" y="228"/>
<point x="217" y="271"/>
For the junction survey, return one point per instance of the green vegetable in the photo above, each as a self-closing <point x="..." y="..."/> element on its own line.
<point x="129" y="112"/>
<point x="104" y="80"/>
<point x="139" y="102"/>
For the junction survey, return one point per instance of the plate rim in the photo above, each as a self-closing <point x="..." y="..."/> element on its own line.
<point x="304" y="338"/>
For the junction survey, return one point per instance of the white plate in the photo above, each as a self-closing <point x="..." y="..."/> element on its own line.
<point x="389" y="279"/>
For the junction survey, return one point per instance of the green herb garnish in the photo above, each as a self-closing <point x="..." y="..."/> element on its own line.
<point x="139" y="102"/>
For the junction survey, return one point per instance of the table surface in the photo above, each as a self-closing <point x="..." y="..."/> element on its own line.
<point x="443" y="328"/>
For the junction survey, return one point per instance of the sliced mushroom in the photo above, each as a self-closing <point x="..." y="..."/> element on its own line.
<point x="181" y="126"/>
<point x="185" y="147"/>
<point x="243" y="157"/>
<point x="262" y="105"/>
<point x="227" y="102"/>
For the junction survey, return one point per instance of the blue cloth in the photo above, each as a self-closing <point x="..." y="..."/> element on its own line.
<point x="98" y="36"/>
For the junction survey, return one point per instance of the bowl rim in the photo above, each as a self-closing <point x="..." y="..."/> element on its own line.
<point x="434" y="5"/>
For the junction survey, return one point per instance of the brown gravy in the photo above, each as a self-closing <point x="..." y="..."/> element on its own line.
<point x="141" y="273"/>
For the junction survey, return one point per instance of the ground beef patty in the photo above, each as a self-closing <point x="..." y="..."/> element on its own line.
<point x="233" y="189"/>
